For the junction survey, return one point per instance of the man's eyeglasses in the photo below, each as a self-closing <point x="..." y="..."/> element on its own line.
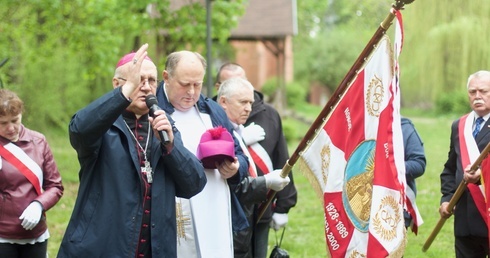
<point x="151" y="81"/>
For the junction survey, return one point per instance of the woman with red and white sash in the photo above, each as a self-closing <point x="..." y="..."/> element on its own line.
<point x="30" y="183"/>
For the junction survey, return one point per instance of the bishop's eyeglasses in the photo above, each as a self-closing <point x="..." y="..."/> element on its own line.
<point x="151" y="81"/>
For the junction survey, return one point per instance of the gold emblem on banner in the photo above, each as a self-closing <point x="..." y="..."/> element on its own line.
<point x="374" y="96"/>
<point x="356" y="254"/>
<point x="360" y="190"/>
<point x="387" y="218"/>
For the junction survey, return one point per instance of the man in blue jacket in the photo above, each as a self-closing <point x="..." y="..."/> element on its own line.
<point x="203" y="222"/>
<point x="414" y="165"/>
<point x="128" y="178"/>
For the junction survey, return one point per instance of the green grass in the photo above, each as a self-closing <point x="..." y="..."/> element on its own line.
<point x="67" y="162"/>
<point x="304" y="235"/>
<point x="435" y="133"/>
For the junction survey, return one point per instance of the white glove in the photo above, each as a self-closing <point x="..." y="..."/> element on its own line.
<point x="279" y="220"/>
<point x="274" y="181"/>
<point x="252" y="134"/>
<point x="31" y="215"/>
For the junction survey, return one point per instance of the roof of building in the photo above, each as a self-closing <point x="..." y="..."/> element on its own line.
<point x="267" y="19"/>
<point x="262" y="18"/>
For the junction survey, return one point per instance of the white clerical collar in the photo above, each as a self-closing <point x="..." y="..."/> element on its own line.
<point x="165" y="90"/>
<point x="237" y="128"/>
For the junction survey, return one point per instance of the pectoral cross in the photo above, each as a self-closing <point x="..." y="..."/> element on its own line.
<point x="148" y="172"/>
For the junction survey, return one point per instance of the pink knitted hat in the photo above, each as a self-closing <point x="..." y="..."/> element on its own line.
<point x="128" y="58"/>
<point x="216" y="145"/>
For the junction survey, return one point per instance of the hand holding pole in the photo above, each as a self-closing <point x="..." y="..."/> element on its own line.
<point x="457" y="194"/>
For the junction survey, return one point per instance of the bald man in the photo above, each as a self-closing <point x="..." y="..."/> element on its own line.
<point x="206" y="221"/>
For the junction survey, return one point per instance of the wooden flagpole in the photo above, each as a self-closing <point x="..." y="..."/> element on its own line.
<point x="457" y="194"/>
<point x="349" y="77"/>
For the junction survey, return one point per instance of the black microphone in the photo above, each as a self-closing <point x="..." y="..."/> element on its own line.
<point x="152" y="104"/>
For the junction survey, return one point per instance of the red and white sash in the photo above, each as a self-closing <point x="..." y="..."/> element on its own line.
<point x="27" y="166"/>
<point x="469" y="154"/>
<point x="261" y="158"/>
<point x="413" y="210"/>
<point x="251" y="164"/>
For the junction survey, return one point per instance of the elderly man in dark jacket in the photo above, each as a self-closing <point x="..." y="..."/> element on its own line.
<point x="236" y="96"/>
<point x="470" y="134"/>
<point x="128" y="178"/>
<point x="263" y="134"/>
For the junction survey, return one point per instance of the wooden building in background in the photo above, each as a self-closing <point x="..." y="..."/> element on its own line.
<point x="263" y="40"/>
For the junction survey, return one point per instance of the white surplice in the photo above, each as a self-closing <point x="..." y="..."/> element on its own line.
<point x="204" y="227"/>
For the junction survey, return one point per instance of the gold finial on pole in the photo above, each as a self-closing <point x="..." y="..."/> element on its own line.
<point x="399" y="4"/>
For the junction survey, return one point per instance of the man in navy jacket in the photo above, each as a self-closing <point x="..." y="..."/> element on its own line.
<point x="466" y="143"/>
<point x="263" y="133"/>
<point x="128" y="179"/>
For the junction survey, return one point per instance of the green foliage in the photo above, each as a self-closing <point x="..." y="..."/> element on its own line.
<point x="64" y="154"/>
<point x="63" y="52"/>
<point x="44" y="102"/>
<point x="333" y="40"/>
<point x="434" y="132"/>
<point x="295" y="92"/>
<point x="358" y="14"/>
<point x="311" y="15"/>
<point x="442" y="49"/>
<point x="308" y="110"/>
<point x="269" y="87"/>
<point x="289" y="130"/>
<point x="452" y="102"/>
<point x="186" y="27"/>
<point x="329" y="57"/>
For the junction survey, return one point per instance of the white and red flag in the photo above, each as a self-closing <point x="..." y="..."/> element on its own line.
<point x="485" y="178"/>
<point x="356" y="162"/>
<point x="411" y="206"/>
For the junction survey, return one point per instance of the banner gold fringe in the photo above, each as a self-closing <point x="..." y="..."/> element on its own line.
<point x="306" y="172"/>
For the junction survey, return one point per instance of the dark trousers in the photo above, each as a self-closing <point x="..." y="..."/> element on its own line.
<point x="37" y="250"/>
<point x="261" y="240"/>
<point x="471" y="247"/>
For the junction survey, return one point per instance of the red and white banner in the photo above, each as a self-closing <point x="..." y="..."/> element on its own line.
<point x="485" y="178"/>
<point x="356" y="161"/>
<point x="411" y="205"/>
